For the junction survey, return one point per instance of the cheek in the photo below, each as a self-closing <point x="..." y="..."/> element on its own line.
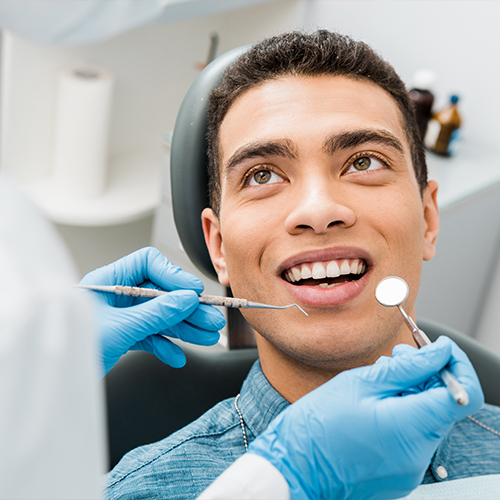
<point x="246" y="234"/>
<point x="401" y="224"/>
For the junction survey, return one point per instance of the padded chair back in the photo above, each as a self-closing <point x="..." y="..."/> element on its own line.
<point x="189" y="181"/>
<point x="188" y="161"/>
<point x="486" y="364"/>
<point x="148" y="400"/>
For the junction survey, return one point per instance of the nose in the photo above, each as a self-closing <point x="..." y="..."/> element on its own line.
<point x="318" y="206"/>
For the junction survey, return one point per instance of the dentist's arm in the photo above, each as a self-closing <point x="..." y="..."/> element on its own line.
<point x="131" y="323"/>
<point x="369" y="433"/>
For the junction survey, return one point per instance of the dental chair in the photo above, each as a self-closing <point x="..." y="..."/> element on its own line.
<point x="148" y="400"/>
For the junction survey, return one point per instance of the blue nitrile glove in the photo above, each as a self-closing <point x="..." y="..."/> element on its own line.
<point x="370" y="432"/>
<point x="132" y="323"/>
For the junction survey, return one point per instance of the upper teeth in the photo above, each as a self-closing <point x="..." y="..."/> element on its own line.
<point x="320" y="270"/>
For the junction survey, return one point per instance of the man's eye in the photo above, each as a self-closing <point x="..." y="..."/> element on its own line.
<point x="365" y="163"/>
<point x="263" y="177"/>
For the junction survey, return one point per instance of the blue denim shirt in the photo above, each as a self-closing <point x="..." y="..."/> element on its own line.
<point x="182" y="465"/>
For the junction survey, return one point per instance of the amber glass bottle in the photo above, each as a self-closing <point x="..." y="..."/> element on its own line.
<point x="443" y="130"/>
<point x="423" y="98"/>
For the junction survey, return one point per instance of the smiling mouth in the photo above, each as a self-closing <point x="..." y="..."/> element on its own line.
<point x="326" y="274"/>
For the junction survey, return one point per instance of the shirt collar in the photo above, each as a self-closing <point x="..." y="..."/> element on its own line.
<point x="259" y="402"/>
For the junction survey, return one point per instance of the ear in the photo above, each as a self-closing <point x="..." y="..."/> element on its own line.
<point x="213" y="240"/>
<point x="431" y="218"/>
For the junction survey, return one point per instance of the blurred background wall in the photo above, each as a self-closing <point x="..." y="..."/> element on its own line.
<point x="155" y="64"/>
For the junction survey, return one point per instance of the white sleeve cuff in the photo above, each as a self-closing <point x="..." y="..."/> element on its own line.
<point x="251" y="477"/>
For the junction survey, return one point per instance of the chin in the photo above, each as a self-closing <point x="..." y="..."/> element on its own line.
<point x="326" y="350"/>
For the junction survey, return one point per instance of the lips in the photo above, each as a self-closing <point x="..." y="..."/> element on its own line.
<point x="326" y="277"/>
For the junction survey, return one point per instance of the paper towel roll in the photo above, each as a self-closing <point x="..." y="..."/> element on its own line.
<point x="80" y="130"/>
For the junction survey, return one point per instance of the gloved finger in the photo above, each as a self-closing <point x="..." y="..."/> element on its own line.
<point x="409" y="368"/>
<point x="434" y="381"/>
<point x="402" y="348"/>
<point x="99" y="276"/>
<point x="207" y="318"/>
<point x="438" y="410"/>
<point x="430" y="383"/>
<point x="459" y="357"/>
<point x="463" y="370"/>
<point x="107" y="275"/>
<point x="192" y="334"/>
<point x="444" y="409"/>
<point x="164" y="349"/>
<point x="460" y="363"/>
<point x="149" y="264"/>
<point x="158" y="314"/>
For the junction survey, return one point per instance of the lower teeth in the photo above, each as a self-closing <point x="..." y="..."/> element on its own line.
<point x="326" y="285"/>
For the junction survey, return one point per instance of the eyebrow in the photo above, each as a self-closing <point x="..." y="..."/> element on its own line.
<point x="282" y="148"/>
<point x="349" y="140"/>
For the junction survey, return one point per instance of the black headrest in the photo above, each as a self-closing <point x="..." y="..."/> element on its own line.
<point x="188" y="161"/>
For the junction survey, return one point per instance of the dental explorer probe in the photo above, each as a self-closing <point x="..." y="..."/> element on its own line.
<point x="212" y="300"/>
<point x="393" y="291"/>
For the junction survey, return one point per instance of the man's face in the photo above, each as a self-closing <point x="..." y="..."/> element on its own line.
<point x="319" y="202"/>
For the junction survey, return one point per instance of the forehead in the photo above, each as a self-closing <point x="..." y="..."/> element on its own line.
<point x="304" y="109"/>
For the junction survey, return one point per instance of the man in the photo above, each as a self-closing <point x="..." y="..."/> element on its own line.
<point x="318" y="191"/>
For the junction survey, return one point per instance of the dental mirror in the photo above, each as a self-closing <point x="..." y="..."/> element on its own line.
<point x="392" y="291"/>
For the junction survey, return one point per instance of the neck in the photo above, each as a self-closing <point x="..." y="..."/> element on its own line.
<point x="293" y="377"/>
<point x="290" y="377"/>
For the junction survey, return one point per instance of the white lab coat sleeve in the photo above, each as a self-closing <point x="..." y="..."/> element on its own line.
<point x="251" y="477"/>
<point x="52" y="438"/>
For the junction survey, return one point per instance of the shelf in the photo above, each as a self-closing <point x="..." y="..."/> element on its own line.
<point x="475" y="168"/>
<point x="133" y="192"/>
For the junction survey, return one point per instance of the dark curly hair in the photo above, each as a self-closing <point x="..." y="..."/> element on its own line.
<point x="300" y="54"/>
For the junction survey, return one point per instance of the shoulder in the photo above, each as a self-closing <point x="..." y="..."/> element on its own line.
<point x="471" y="448"/>
<point x="481" y="430"/>
<point x="183" y="464"/>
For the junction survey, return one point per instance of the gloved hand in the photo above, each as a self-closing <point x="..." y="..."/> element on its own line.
<point x="133" y="323"/>
<point x="370" y="432"/>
